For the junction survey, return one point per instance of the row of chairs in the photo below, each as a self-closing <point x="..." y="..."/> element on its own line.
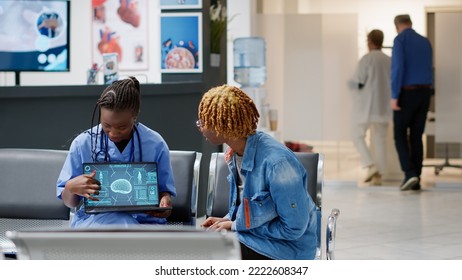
<point x="28" y="202"/>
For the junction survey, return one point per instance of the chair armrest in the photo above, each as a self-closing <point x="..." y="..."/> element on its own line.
<point x="331" y="232"/>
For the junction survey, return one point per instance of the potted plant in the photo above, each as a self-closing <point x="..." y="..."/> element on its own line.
<point x="218" y="21"/>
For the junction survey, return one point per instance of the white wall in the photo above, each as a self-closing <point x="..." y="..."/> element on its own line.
<point x="240" y="13"/>
<point x="339" y="63"/>
<point x="308" y="73"/>
<point x="275" y="60"/>
<point x="375" y="14"/>
<point x="448" y="77"/>
<point x="81" y="57"/>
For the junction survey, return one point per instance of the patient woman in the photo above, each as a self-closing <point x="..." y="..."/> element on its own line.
<point x="117" y="137"/>
<point x="270" y="210"/>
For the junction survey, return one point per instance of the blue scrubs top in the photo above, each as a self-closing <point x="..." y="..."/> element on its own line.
<point x="146" y="145"/>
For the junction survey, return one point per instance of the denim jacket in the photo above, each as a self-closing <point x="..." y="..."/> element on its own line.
<point x="276" y="216"/>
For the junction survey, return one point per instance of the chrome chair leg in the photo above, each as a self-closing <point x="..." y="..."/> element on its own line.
<point x="330" y="233"/>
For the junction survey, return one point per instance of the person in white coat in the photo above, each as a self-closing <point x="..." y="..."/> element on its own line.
<point x="371" y="109"/>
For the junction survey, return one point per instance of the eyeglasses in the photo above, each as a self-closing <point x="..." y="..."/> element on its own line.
<point x="199" y="124"/>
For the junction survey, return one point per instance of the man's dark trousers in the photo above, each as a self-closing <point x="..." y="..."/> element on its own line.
<point x="414" y="105"/>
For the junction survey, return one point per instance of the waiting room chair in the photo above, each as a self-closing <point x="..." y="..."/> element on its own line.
<point x="28" y="192"/>
<point x="314" y="165"/>
<point x="218" y="194"/>
<point x="218" y="187"/>
<point x="186" y="167"/>
<point x="148" y="243"/>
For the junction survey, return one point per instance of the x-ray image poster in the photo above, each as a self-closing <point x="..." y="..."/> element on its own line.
<point x="181" y="42"/>
<point x="180" y="4"/>
<point x="121" y="26"/>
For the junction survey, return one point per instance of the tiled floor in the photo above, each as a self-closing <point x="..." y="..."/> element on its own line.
<point x="383" y="223"/>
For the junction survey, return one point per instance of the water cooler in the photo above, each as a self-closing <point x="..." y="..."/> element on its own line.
<point x="250" y="72"/>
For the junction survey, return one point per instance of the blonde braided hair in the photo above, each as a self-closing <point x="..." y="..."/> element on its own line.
<point x="228" y="111"/>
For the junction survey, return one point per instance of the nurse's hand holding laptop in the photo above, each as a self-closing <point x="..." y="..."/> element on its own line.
<point x="165" y="201"/>
<point x="85" y="185"/>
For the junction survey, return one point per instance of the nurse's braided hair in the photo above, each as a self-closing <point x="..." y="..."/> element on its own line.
<point x="121" y="95"/>
<point x="228" y="111"/>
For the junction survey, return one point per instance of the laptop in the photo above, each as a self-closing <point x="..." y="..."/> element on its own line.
<point x="128" y="187"/>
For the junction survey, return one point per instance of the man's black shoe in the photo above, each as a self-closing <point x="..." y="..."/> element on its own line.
<point x="409" y="183"/>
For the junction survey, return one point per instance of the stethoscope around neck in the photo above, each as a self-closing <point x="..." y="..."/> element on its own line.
<point x="104" y="144"/>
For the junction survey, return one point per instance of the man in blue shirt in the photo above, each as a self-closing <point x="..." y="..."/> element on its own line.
<point x="411" y="89"/>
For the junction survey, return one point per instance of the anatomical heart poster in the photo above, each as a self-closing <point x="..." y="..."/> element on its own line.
<point x="121" y="26"/>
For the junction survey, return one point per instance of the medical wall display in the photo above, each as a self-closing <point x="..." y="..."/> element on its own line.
<point x="181" y="42"/>
<point x="34" y="35"/>
<point x="180" y="4"/>
<point x="121" y="26"/>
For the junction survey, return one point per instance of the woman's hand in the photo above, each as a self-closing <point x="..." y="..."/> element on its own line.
<point x="217" y="224"/>
<point x="165" y="201"/>
<point x="81" y="186"/>
<point x="84" y="185"/>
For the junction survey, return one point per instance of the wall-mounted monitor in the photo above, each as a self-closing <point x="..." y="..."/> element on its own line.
<point x="34" y="35"/>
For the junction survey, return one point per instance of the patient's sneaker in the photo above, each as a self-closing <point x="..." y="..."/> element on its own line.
<point x="376" y="180"/>
<point x="371" y="172"/>
<point x="409" y="183"/>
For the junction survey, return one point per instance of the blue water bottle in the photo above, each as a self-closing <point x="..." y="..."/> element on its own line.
<point x="250" y="61"/>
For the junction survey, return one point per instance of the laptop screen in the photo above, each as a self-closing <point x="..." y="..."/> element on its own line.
<point x="124" y="186"/>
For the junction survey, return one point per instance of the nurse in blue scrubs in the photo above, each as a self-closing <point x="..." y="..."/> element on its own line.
<point x="117" y="137"/>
